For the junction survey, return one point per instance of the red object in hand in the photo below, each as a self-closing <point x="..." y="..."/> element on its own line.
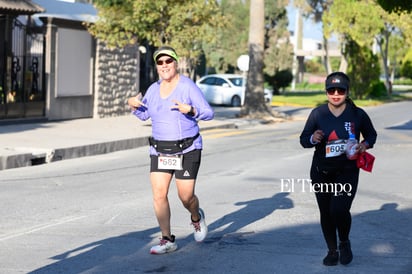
<point x="365" y="161"/>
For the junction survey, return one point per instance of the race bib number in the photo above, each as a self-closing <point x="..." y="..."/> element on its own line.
<point x="335" y="148"/>
<point x="170" y="162"/>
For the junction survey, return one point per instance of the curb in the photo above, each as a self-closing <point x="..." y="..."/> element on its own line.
<point x="23" y="157"/>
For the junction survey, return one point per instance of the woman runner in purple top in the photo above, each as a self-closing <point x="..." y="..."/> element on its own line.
<point x="174" y="104"/>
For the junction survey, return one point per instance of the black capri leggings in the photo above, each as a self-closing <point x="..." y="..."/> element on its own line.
<point x="335" y="190"/>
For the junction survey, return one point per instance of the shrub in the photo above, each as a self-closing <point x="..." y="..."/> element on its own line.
<point x="406" y="66"/>
<point x="280" y="80"/>
<point x="406" y="69"/>
<point x="376" y="90"/>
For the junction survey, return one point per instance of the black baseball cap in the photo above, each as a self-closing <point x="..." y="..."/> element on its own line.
<point x="337" y="80"/>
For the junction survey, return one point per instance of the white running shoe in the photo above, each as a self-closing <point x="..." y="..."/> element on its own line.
<point x="166" y="245"/>
<point x="200" y="227"/>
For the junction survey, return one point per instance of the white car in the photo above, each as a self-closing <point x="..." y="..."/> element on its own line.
<point x="226" y="89"/>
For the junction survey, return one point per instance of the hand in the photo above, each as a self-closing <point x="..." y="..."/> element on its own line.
<point x="183" y="108"/>
<point x="361" y="147"/>
<point x="317" y="136"/>
<point x="135" y="102"/>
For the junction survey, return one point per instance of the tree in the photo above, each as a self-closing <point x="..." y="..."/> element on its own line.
<point x="232" y="40"/>
<point x="182" y="24"/>
<point x="315" y="9"/>
<point x="365" y="22"/>
<point x="396" y="5"/>
<point x="278" y="51"/>
<point x="397" y="50"/>
<point x="255" y="106"/>
<point x="406" y="68"/>
<point x="363" y="69"/>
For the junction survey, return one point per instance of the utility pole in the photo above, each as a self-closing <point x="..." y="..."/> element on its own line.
<point x="297" y="69"/>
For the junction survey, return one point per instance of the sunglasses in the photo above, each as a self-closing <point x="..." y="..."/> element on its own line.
<point x="331" y="91"/>
<point x="167" y="61"/>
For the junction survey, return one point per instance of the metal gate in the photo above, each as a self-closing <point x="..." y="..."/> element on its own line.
<point x="24" y="94"/>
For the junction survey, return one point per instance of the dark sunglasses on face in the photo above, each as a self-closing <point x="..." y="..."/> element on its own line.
<point x="331" y="91"/>
<point x="167" y="61"/>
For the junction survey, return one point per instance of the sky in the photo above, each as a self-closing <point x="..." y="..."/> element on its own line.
<point x="310" y="29"/>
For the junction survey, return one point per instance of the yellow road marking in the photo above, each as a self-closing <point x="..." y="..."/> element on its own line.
<point x="402" y="136"/>
<point x="222" y="134"/>
<point x="214" y="130"/>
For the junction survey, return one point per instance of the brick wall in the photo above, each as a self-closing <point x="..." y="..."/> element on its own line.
<point x="116" y="79"/>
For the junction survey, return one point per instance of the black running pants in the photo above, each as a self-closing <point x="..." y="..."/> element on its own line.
<point x="335" y="190"/>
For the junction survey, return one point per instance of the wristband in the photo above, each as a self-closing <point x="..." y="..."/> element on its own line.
<point x="366" y="144"/>
<point x="191" y="111"/>
<point x="311" y="140"/>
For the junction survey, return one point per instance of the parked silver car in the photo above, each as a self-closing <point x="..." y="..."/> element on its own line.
<point x="226" y="89"/>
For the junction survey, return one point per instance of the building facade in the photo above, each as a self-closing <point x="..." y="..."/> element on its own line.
<point x="67" y="74"/>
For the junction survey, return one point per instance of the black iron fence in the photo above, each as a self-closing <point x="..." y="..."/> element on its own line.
<point x="22" y="91"/>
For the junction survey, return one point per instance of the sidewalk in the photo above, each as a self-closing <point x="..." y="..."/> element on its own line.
<point x="38" y="143"/>
<point x="44" y="142"/>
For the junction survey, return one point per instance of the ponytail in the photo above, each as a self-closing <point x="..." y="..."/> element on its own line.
<point x="350" y="102"/>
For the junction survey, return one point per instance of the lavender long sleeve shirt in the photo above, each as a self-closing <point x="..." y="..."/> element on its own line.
<point x="170" y="124"/>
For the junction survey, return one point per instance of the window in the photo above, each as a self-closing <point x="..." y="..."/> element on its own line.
<point x="237" y="81"/>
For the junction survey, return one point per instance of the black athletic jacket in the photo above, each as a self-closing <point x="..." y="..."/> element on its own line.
<point x="353" y="119"/>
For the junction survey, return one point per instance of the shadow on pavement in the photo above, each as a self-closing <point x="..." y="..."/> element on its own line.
<point x="380" y="240"/>
<point x="252" y="211"/>
<point x="405" y="126"/>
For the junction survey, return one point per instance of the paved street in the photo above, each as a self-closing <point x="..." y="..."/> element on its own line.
<point x="94" y="214"/>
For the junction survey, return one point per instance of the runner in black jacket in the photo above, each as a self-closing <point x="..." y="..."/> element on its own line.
<point x="334" y="177"/>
